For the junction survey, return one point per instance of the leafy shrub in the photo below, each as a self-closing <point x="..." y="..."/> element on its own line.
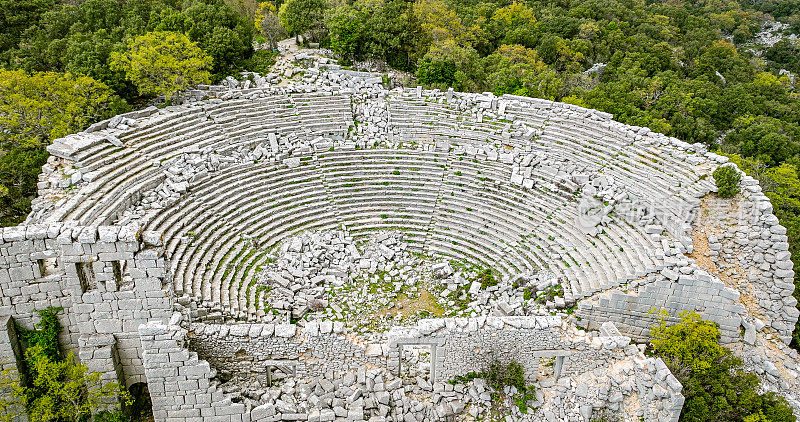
<point x="45" y="335"/>
<point x="486" y="278"/>
<point x="261" y="61"/>
<point x="727" y="179"/>
<point x="65" y="391"/>
<point x="550" y="293"/>
<point x="432" y="72"/>
<point x="499" y="376"/>
<point x="714" y="384"/>
<point x="55" y="387"/>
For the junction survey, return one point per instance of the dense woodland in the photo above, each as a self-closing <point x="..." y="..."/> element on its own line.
<point x="691" y="69"/>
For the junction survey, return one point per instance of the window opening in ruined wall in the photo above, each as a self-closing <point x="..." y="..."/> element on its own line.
<point x="85" y="276"/>
<point x="47" y="266"/>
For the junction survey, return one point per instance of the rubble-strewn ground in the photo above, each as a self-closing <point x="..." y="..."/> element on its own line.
<point x="378" y="282"/>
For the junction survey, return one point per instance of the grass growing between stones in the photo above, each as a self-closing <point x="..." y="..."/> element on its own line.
<point x="422" y="303"/>
<point x="508" y="386"/>
<point x="549" y="294"/>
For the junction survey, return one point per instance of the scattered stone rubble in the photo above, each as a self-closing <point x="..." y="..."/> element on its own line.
<point x="317" y="230"/>
<point x="327" y="274"/>
<point x="572" y="385"/>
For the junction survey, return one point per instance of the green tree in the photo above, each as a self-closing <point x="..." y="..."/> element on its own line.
<point x="162" y="63"/>
<point x="514" y="24"/>
<point x="394" y="33"/>
<point x="514" y="69"/>
<point x="715" y="387"/>
<point x="346" y="26"/>
<point x="301" y="17"/>
<point x="447" y="64"/>
<point x="55" y="388"/>
<point x="65" y="391"/>
<point x="766" y="138"/>
<point x="269" y="24"/>
<point x="439" y="21"/>
<point x="221" y="32"/>
<point x="35" y="109"/>
<point x="16" y="16"/>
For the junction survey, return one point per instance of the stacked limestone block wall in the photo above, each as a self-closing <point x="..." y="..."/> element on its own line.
<point x="107" y="280"/>
<point x="243" y="349"/>
<point x="588" y="369"/>
<point x="178" y="382"/>
<point x="635" y="313"/>
<point x="758" y="251"/>
<point x="762" y="268"/>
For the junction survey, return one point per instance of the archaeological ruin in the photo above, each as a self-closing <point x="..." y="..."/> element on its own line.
<point x="321" y="245"/>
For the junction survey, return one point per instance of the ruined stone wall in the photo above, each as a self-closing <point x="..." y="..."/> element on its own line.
<point x="178" y="382"/>
<point x="461" y="345"/>
<point x="107" y="280"/>
<point x="605" y="371"/>
<point x="635" y="313"/>
<point x="248" y="350"/>
<point x="468" y="344"/>
<point x="551" y="355"/>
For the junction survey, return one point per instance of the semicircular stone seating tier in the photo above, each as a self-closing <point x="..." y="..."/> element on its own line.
<point x="119" y="174"/>
<point x="443" y="174"/>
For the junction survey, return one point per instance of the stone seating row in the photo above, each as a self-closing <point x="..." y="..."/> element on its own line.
<point x="241" y="198"/>
<point x="118" y="172"/>
<point x="384" y="189"/>
<point x="160" y="139"/>
<point x="455" y="234"/>
<point x="253" y="219"/>
<point x="317" y="113"/>
<point x="416" y="118"/>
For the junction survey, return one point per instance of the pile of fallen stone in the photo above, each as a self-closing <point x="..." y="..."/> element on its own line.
<point x="307" y="265"/>
<point x="529" y="293"/>
<point x="368" y="283"/>
<point x="180" y="174"/>
<point x="330" y="275"/>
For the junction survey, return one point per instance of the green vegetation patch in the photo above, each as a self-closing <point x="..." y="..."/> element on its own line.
<point x="716" y="387"/>
<point x="727" y="180"/>
<point x="498" y="376"/>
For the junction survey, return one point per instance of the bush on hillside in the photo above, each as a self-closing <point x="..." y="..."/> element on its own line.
<point x="714" y="384"/>
<point x="727" y="179"/>
<point x="54" y="387"/>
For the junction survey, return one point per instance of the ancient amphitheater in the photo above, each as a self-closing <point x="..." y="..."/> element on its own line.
<point x="325" y="248"/>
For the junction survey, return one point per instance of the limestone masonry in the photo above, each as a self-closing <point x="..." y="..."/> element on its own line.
<point x="317" y="245"/>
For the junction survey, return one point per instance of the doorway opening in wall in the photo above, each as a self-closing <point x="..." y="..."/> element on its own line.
<point x="550" y="366"/>
<point x="278" y="371"/>
<point x="141" y="410"/>
<point x="415" y="361"/>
